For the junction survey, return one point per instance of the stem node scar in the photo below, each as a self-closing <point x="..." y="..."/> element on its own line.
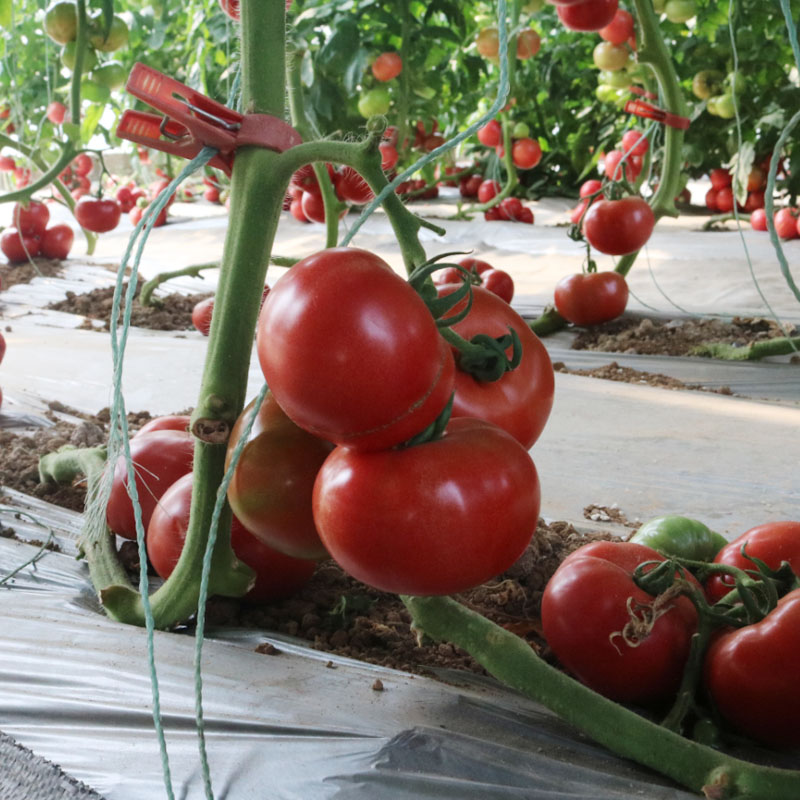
<point x="212" y="431"/>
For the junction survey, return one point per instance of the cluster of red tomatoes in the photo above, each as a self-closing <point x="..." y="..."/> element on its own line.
<point x="720" y="197"/>
<point x="510" y="209"/>
<point x="354" y="357"/>
<point x="632" y="647"/>
<point x="76" y="176"/>
<point x="481" y="273"/>
<point x="30" y="234"/>
<point x="22" y="175"/>
<point x="526" y="152"/>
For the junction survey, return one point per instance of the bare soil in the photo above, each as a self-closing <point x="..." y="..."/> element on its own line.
<point x="12" y="274"/>
<point x="173" y="312"/>
<point x="675" y="337"/>
<point x="334" y="613"/>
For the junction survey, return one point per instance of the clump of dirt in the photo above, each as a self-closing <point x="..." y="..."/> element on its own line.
<point x="173" y="312"/>
<point x="337" y="614"/>
<point x="20" y="452"/>
<point x="676" y="337"/>
<point x="614" y="372"/>
<point x="600" y="513"/>
<point x="12" y="274"/>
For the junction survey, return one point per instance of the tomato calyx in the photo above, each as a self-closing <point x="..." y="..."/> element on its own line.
<point x="642" y="617"/>
<point x="435" y="430"/>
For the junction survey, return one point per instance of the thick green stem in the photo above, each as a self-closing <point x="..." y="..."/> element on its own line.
<point x="549" y="322"/>
<point x="513" y="661"/>
<point x="146" y="292"/>
<point x="257" y="191"/>
<point x="780" y="346"/>
<point x="405" y="77"/>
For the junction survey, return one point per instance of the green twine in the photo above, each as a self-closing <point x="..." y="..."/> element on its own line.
<point x="502" y="93"/>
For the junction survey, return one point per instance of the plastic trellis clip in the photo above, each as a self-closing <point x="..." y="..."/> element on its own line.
<point x="192" y="121"/>
<point x="648" y="110"/>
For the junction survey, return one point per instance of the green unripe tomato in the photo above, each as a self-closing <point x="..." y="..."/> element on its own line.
<point x="520" y="131"/>
<point x="610" y="57"/>
<point x="94" y="92"/>
<point x="680" y="10"/>
<point x="725" y="106"/>
<point x="61" y="22"/>
<point x="425" y="92"/>
<point x="707" y="83"/>
<point x="658" y="6"/>
<point x="375" y="101"/>
<point x="68" y="57"/>
<point x="619" y="79"/>
<point x="680" y="536"/>
<point x="112" y="75"/>
<point x="607" y="94"/>
<point x="734" y="82"/>
<point x="117" y="35"/>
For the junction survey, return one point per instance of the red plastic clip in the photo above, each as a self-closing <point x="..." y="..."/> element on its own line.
<point x="642" y="92"/>
<point x="191" y="121"/>
<point x="642" y="109"/>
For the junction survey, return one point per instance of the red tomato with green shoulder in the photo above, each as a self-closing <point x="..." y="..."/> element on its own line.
<point x="98" y="215"/>
<point x="270" y="492"/>
<point x="521" y="401"/>
<point x="591" y="298"/>
<point x="772" y="543"/>
<point x="351" y="352"/>
<point x="17" y="247"/>
<point x="751" y="676"/>
<point x="587" y="16"/>
<point x="32" y="219"/>
<point x="595" y="632"/>
<point x="56" y="241"/>
<point x="619" y="227"/>
<point x="159" y="459"/>
<point x="432" y="519"/>
<point x="277" y="576"/>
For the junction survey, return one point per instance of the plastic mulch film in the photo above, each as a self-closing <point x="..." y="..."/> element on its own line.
<point x="74" y="689"/>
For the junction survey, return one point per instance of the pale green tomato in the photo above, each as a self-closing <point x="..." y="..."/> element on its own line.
<point x="658" y="6"/>
<point x="112" y="75"/>
<point x="610" y="57"/>
<point x="707" y="83"/>
<point x="375" y="101"/>
<point x="425" y="92"/>
<point x="680" y="10"/>
<point x="533" y="6"/>
<point x="725" y="106"/>
<point x="68" y="57"/>
<point x="608" y="94"/>
<point x="520" y="131"/>
<point x="117" y="35"/>
<point x="619" y="79"/>
<point x="61" y="22"/>
<point x="735" y="82"/>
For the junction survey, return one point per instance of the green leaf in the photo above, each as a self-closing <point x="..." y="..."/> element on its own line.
<point x="72" y="132"/>
<point x="5" y="13"/>
<point x="338" y="52"/>
<point x="90" y="121"/>
<point x="743" y="163"/>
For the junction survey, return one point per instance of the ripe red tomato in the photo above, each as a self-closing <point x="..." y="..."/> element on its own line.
<point x="585" y="608"/>
<point x="277" y="576"/>
<point x="590" y="187"/>
<point x="491" y="134"/>
<point x="82" y="164"/>
<point x="720" y="178"/>
<point x="589" y="15"/>
<point x="592" y="298"/>
<point x="755" y="199"/>
<point x="724" y="199"/>
<point x="387" y="66"/>
<point x="498" y="282"/>
<point x="7" y="164"/>
<point x="16" y="247"/>
<point x="772" y="542"/>
<point x="159" y="459"/>
<point x="520" y="402"/>
<point x="352" y="187"/>
<point x="620" y="29"/>
<point x="57" y="241"/>
<point x="168" y="422"/>
<point x="526" y="216"/>
<point x="270" y="492"/>
<point x="635" y="143"/>
<point x="351" y="352"/>
<point x="487" y="190"/>
<point x="296" y="210"/>
<point x="510" y="208"/>
<point x="99" y="216"/>
<point x="468" y="187"/>
<point x="231" y="8"/>
<point x="56" y="112"/>
<point x="395" y="519"/>
<point x="711" y="199"/>
<point x="615" y="167"/>
<point x="758" y="220"/>
<point x="526" y="153"/>
<point x="125" y="199"/>
<point x="201" y="315"/>
<point x="751" y="674"/>
<point x="389" y="156"/>
<point x="31" y="220"/>
<point x="618" y="227"/>
<point x="786" y="223"/>
<point x="211" y="193"/>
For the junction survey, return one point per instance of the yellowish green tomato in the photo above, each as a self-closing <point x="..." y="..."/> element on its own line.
<point x="707" y="83"/>
<point x="61" y="22"/>
<point x="533" y="6"/>
<point x="723" y="106"/>
<point x="680" y="10"/>
<point x="619" y="79"/>
<point x="734" y="82"/>
<point x="112" y="75"/>
<point x="610" y="57"/>
<point x="520" y="130"/>
<point x="117" y="35"/>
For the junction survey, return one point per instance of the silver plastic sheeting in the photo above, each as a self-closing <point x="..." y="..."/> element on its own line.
<point x="300" y="725"/>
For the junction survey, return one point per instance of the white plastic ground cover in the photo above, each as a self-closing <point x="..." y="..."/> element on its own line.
<point x="300" y="725"/>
